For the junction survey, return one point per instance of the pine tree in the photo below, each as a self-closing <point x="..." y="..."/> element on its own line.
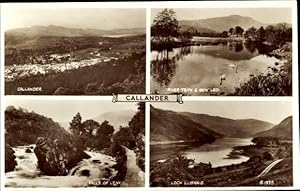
<point x="75" y="125"/>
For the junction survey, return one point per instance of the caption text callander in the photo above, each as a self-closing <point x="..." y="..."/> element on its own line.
<point x="147" y="98"/>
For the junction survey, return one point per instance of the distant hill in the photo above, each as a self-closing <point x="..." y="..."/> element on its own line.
<point x="282" y="130"/>
<point x="229" y="127"/>
<point x="199" y="28"/>
<point x="59" y="31"/>
<point x="172" y="126"/>
<point x="116" y="119"/>
<point x="23" y="127"/>
<point x="219" y="24"/>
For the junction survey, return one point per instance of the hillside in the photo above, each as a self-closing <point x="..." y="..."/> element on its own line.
<point x="231" y="128"/>
<point x="23" y="127"/>
<point x="59" y="31"/>
<point x="282" y="130"/>
<point x="219" y="24"/>
<point x="116" y="119"/>
<point x="173" y="126"/>
<point x="199" y="28"/>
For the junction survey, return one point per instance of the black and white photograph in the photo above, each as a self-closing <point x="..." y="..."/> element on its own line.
<point x="221" y="143"/>
<point x="74" y="51"/>
<point x="221" y="51"/>
<point x="76" y="143"/>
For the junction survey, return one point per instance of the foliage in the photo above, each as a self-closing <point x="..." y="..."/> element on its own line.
<point x="239" y="30"/>
<point x="75" y="125"/>
<point x="224" y="34"/>
<point x="276" y="82"/>
<point x="276" y="35"/>
<point x="89" y="126"/>
<point x="173" y="169"/>
<point x="104" y="134"/>
<point x="251" y="33"/>
<point x="265" y="141"/>
<point x="165" y="25"/>
<point x="231" y="30"/>
<point x="91" y="133"/>
<point x="24" y="127"/>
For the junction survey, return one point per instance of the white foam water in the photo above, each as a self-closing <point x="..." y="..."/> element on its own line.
<point x="99" y="166"/>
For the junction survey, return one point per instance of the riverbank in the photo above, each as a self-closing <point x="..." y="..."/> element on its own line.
<point x="277" y="81"/>
<point x="164" y="149"/>
<point x="195" y="41"/>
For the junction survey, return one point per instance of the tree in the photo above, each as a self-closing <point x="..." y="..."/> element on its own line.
<point x="165" y="25"/>
<point x="89" y="126"/>
<point x="125" y="137"/>
<point x="261" y="34"/>
<point x="75" y="125"/>
<point x="224" y="34"/>
<point x="186" y="35"/>
<point x="137" y="123"/>
<point x="104" y="134"/>
<point x="251" y="33"/>
<point x="231" y="31"/>
<point x="239" y="30"/>
<point x="192" y="30"/>
<point x="271" y="34"/>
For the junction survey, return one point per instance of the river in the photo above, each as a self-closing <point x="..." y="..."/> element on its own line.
<point x="99" y="167"/>
<point x="198" y="68"/>
<point x="216" y="153"/>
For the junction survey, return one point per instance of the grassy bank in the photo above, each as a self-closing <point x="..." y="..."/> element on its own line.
<point x="276" y="82"/>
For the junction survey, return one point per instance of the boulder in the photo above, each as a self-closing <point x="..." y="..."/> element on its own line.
<point x="28" y="150"/>
<point x="10" y="162"/>
<point x="57" y="157"/>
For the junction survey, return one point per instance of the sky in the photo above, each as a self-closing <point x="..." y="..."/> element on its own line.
<point x="264" y="15"/>
<point x="95" y="18"/>
<point x="65" y="110"/>
<point x="270" y="111"/>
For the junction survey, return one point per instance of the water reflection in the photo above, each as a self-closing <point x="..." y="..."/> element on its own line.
<point x="163" y="64"/>
<point x="201" y="66"/>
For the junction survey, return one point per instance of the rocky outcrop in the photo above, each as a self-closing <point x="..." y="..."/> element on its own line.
<point x="56" y="157"/>
<point x="10" y="162"/>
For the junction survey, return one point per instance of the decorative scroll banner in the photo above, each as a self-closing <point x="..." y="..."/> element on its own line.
<point x="147" y="98"/>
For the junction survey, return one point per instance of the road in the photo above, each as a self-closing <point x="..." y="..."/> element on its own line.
<point x="134" y="176"/>
<point x="268" y="168"/>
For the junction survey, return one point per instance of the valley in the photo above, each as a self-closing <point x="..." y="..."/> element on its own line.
<point x="245" y="152"/>
<point x="52" y="60"/>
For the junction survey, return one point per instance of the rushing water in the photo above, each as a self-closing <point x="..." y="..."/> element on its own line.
<point x="199" y="67"/>
<point x="99" y="167"/>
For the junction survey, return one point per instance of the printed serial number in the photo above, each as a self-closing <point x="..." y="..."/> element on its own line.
<point x="266" y="182"/>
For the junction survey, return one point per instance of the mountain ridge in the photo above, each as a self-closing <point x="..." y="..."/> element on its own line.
<point x="240" y="128"/>
<point x="167" y="125"/>
<point x="224" y="23"/>
<point x="163" y="128"/>
<point x="281" y="130"/>
<point x="60" y="31"/>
